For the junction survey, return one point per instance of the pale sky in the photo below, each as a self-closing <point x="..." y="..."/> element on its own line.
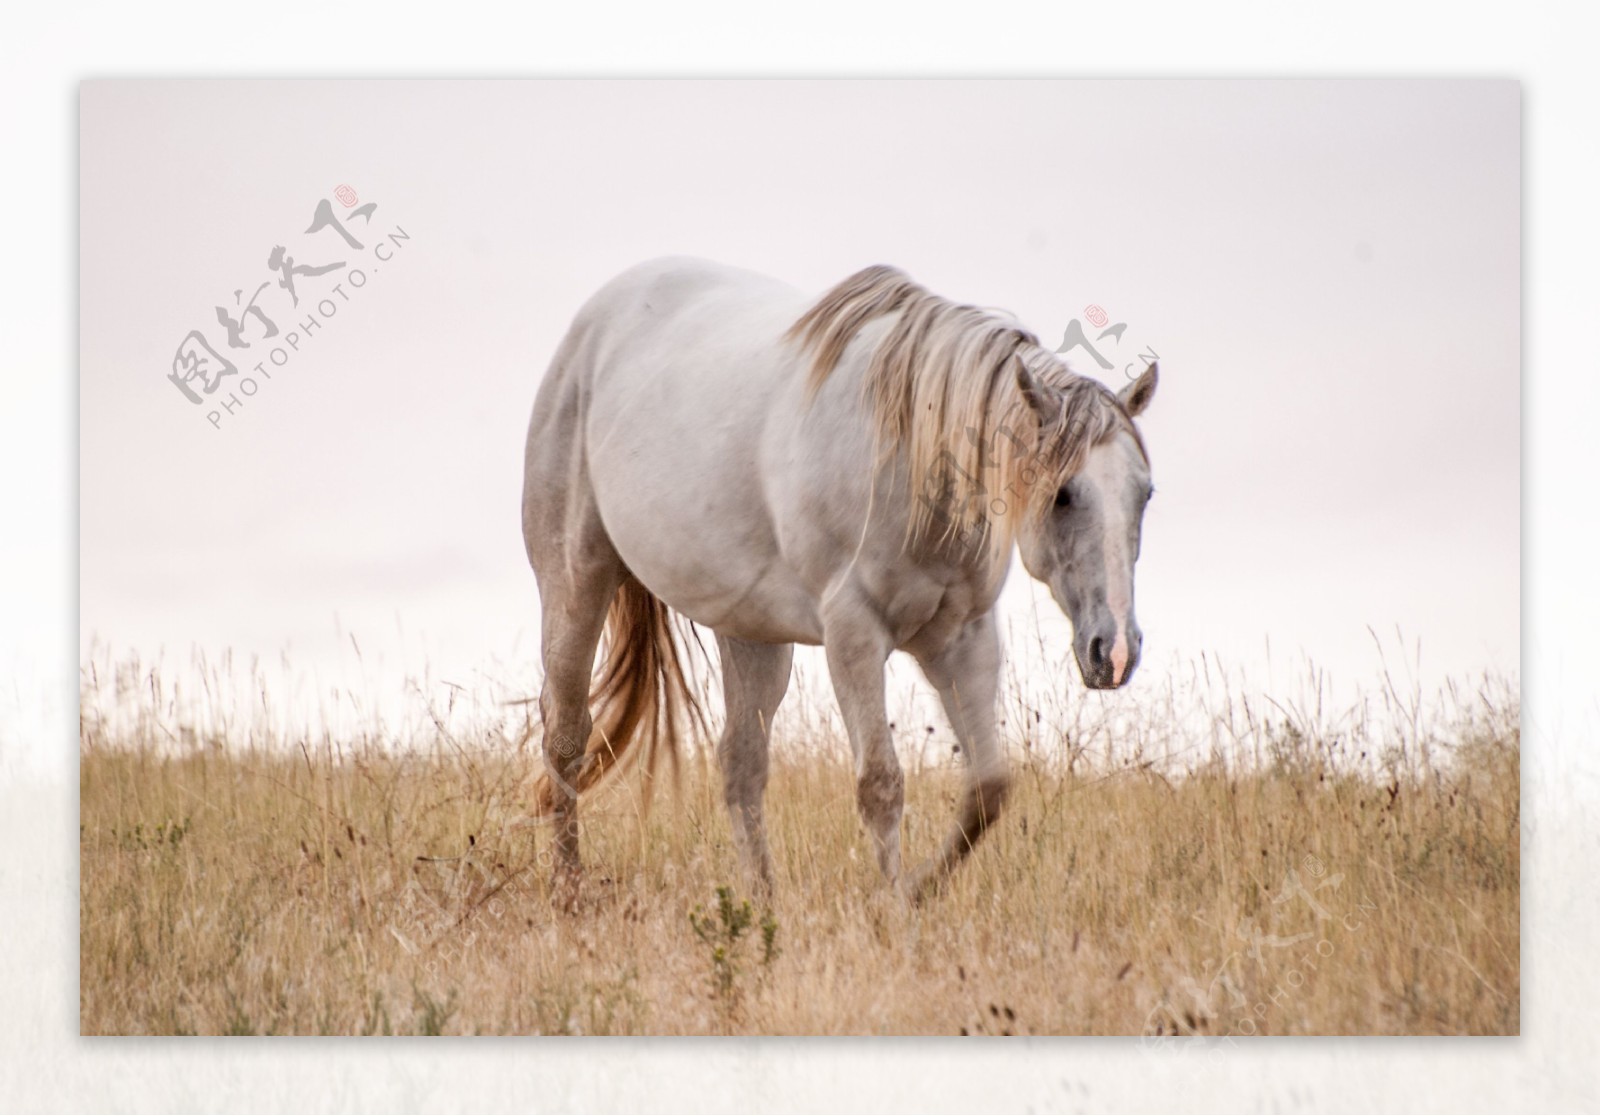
<point x="1328" y="270"/>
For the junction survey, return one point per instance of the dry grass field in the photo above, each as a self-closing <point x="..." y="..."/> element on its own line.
<point x="1209" y="871"/>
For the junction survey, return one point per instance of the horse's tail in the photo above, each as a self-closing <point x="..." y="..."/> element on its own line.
<point x="641" y="698"/>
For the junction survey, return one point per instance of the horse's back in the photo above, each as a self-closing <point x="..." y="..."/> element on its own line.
<point x="674" y="342"/>
<point x="660" y="318"/>
<point x="658" y="292"/>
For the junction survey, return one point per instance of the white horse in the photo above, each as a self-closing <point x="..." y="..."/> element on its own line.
<point x="852" y="473"/>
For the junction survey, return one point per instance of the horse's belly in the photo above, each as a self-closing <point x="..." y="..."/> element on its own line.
<point x="777" y="609"/>
<point x="737" y="591"/>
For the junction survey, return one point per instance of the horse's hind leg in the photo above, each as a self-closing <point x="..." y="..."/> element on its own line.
<point x="754" y="679"/>
<point x="967" y="676"/>
<point x="573" y="615"/>
<point x="578" y="572"/>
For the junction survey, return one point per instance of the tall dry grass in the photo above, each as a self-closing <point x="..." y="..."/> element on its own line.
<point x="1234" y="866"/>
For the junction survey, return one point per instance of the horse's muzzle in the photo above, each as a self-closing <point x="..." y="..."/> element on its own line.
<point x="1108" y="654"/>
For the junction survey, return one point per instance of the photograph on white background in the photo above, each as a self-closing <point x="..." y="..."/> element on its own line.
<point x="800" y="557"/>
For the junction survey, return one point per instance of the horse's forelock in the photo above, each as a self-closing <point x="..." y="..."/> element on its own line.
<point x="1089" y="414"/>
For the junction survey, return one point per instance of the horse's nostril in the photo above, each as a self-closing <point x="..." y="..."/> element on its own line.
<point x="1097" y="652"/>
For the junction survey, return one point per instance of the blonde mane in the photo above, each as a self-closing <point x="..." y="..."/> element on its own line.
<point x="942" y="386"/>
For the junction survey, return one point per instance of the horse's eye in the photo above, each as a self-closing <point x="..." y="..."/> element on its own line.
<point x="1063" y="498"/>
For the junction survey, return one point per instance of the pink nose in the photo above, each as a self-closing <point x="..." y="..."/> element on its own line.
<point x="1119" y="657"/>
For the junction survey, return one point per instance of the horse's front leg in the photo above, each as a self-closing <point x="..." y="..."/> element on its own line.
<point x="967" y="675"/>
<point x="857" y="647"/>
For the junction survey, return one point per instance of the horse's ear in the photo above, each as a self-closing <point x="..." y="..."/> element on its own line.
<point x="1041" y="398"/>
<point x="1137" y="395"/>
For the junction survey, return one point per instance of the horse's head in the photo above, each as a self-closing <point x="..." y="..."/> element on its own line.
<point x="1084" y="542"/>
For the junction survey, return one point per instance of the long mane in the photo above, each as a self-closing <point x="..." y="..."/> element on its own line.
<point x="942" y="385"/>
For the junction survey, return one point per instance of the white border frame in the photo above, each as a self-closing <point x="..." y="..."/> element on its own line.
<point x="49" y="49"/>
